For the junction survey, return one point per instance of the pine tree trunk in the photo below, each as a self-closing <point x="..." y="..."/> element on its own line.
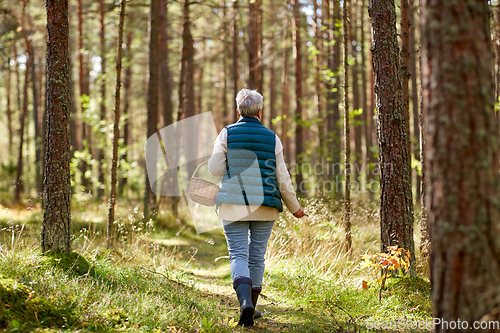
<point x="347" y="133"/>
<point x="285" y="105"/>
<point x="152" y="105"/>
<point x="234" y="33"/>
<point x="126" y="110"/>
<point x="299" y="129"/>
<point x="334" y="130"/>
<point x="396" y="203"/>
<point x="56" y="227"/>
<point x="404" y="69"/>
<point x="358" y="135"/>
<point x="318" y="94"/>
<point x="22" y="121"/>
<point x="116" y="131"/>
<point x="102" y="144"/>
<point x="9" y="112"/>
<point x="84" y="91"/>
<point x="461" y="166"/>
<point x="254" y="47"/>
<point x="225" y="44"/>
<point x="414" y="97"/>
<point x="365" y="116"/>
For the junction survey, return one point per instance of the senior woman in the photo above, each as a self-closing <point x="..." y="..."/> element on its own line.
<point x="255" y="180"/>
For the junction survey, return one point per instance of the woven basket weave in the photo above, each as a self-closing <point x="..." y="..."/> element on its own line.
<point x="202" y="191"/>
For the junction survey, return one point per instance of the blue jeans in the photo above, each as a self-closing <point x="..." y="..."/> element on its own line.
<point x="247" y="245"/>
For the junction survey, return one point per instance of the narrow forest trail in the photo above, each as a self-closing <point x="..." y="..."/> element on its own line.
<point x="206" y="269"/>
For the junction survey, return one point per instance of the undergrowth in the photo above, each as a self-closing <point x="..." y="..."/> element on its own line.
<point x="173" y="280"/>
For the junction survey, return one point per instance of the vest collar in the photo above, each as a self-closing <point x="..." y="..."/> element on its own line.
<point x="249" y="120"/>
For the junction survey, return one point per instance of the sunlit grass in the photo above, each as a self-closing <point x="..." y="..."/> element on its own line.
<point x="165" y="277"/>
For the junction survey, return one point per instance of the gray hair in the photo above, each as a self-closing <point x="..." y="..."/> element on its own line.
<point x="249" y="102"/>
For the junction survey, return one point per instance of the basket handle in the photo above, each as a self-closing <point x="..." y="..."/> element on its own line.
<point x="199" y="166"/>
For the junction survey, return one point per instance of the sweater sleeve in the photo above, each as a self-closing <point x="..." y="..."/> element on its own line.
<point x="217" y="162"/>
<point x="284" y="182"/>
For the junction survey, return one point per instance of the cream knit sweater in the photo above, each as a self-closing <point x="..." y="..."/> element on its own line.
<point x="217" y="167"/>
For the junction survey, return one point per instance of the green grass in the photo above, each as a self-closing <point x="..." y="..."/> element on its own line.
<point x="173" y="280"/>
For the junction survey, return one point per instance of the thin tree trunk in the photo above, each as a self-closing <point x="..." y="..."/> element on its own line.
<point x="396" y="203"/>
<point x="318" y="68"/>
<point x="285" y="112"/>
<point x="461" y="151"/>
<point x="84" y="95"/>
<point x="234" y="33"/>
<point x="22" y="121"/>
<point x="56" y="226"/>
<point x="366" y="115"/>
<point x="405" y="66"/>
<point x="358" y="135"/>
<point x="166" y="75"/>
<point x="299" y="130"/>
<point x="414" y="97"/>
<point x="347" y="132"/>
<point x="9" y="112"/>
<point x="224" y="41"/>
<point x="116" y="131"/>
<point x="333" y="120"/>
<point x="102" y="144"/>
<point x="254" y="45"/>
<point x="126" y="110"/>
<point x="152" y="122"/>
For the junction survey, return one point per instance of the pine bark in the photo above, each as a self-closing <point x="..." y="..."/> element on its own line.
<point x="299" y="129"/>
<point x="414" y="97"/>
<point x="116" y="131"/>
<point x="152" y="104"/>
<point x="83" y="81"/>
<point x="461" y="152"/>
<point x="347" y="133"/>
<point x="285" y="104"/>
<point x="102" y="144"/>
<point x="254" y="46"/>
<point x="56" y="227"/>
<point x="126" y="110"/>
<point x="24" y="114"/>
<point x="235" y="56"/>
<point x="396" y="203"/>
<point x="9" y="111"/>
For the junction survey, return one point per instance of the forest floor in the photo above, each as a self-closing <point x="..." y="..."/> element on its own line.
<point x="170" y="279"/>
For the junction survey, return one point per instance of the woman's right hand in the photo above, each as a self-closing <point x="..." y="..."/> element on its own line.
<point x="300" y="213"/>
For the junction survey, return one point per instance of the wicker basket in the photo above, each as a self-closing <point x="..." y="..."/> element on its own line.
<point x="202" y="191"/>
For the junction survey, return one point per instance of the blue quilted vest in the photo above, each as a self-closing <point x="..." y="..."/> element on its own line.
<point x="250" y="177"/>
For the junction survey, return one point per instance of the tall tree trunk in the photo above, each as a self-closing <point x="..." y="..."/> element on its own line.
<point x="299" y="130"/>
<point x="22" y="121"/>
<point x="396" y="203"/>
<point x="358" y="135"/>
<point x="254" y="44"/>
<point x="38" y="128"/>
<point x="234" y="34"/>
<point x="9" y="112"/>
<point x="116" y="131"/>
<point x="285" y="112"/>
<point x="461" y="164"/>
<point x="414" y="97"/>
<point x="225" y="49"/>
<point x="84" y="95"/>
<point x="366" y="115"/>
<point x="333" y="118"/>
<point x="102" y="144"/>
<point x="405" y="74"/>
<point x="318" y="68"/>
<point x="56" y="226"/>
<point x="347" y="134"/>
<point x="126" y="109"/>
<point x="165" y="74"/>
<point x="152" y="122"/>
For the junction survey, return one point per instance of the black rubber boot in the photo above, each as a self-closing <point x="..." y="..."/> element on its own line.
<point x="255" y="298"/>
<point x="244" y="294"/>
